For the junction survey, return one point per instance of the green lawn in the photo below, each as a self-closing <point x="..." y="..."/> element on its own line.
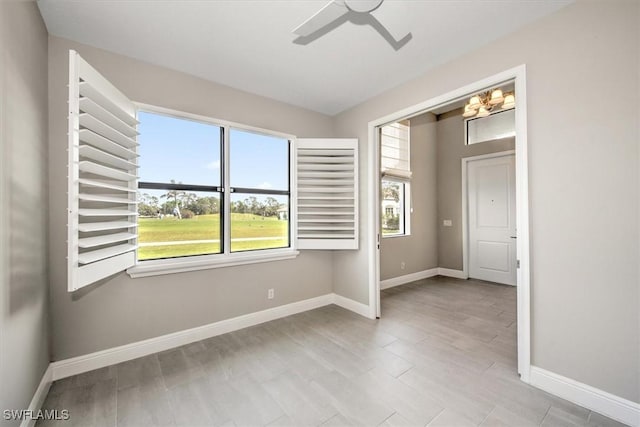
<point x="255" y="231"/>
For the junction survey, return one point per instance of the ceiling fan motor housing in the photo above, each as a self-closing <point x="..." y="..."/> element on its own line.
<point x="363" y="6"/>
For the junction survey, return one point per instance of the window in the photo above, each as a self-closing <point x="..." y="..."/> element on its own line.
<point x="182" y="209"/>
<point x="394" y="219"/>
<point x="396" y="178"/>
<point x="259" y="179"/>
<point x="495" y="126"/>
<point x="154" y="192"/>
<point x="179" y="199"/>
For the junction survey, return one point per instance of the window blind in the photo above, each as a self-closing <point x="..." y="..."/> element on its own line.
<point x="102" y="174"/>
<point x="395" y="153"/>
<point x="327" y="193"/>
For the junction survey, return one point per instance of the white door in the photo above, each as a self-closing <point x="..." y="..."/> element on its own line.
<point x="491" y="193"/>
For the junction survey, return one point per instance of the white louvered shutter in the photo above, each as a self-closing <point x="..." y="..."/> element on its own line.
<point x="395" y="156"/>
<point x="327" y="193"/>
<point x="102" y="168"/>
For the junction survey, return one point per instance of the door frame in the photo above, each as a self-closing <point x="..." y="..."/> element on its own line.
<point x="465" y="203"/>
<point x="518" y="76"/>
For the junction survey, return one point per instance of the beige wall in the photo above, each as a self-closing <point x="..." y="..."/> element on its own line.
<point x="451" y="150"/>
<point x="122" y="310"/>
<point x="419" y="250"/>
<point x="583" y="182"/>
<point x="24" y="345"/>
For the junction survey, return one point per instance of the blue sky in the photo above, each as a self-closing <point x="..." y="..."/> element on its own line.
<point x="189" y="152"/>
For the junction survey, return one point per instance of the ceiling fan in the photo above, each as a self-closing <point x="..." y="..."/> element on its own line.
<point x="337" y="12"/>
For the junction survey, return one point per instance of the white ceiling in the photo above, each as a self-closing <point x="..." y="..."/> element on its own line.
<point x="249" y="45"/>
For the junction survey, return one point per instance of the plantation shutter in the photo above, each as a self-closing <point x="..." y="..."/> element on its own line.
<point x="327" y="193"/>
<point x="102" y="174"/>
<point x="394" y="143"/>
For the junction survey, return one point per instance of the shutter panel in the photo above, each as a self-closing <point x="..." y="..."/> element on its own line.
<point x="327" y="193"/>
<point x="394" y="144"/>
<point x="102" y="172"/>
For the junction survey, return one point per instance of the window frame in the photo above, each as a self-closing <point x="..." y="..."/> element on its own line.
<point x="405" y="216"/>
<point x="228" y="189"/>
<point x="469" y="120"/>
<point x="225" y="258"/>
<point x="147" y="185"/>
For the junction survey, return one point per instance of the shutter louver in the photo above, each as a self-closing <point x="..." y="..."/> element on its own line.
<point x="102" y="226"/>
<point x="327" y="193"/>
<point x="394" y="156"/>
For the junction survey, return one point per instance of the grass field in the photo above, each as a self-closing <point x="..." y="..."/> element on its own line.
<point x="247" y="232"/>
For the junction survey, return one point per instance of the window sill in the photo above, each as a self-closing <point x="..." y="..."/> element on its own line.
<point x="205" y="262"/>
<point x="393" y="236"/>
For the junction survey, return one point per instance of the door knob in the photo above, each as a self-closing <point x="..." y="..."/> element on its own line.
<point x="514" y="237"/>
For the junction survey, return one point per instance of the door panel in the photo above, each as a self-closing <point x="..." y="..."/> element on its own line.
<point x="492" y="219"/>
<point x="492" y="203"/>
<point x="493" y="256"/>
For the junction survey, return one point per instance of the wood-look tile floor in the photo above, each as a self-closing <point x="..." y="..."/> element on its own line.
<point x="443" y="354"/>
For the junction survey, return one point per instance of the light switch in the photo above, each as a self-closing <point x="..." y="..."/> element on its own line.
<point x="447" y="223"/>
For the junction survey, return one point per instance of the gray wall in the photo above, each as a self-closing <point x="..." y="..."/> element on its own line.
<point x="419" y="250"/>
<point x="123" y="310"/>
<point x="583" y="182"/>
<point x="451" y="150"/>
<point x="437" y="148"/>
<point x="24" y="346"/>
<point x="584" y="194"/>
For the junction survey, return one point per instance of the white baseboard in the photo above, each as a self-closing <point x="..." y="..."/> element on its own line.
<point x="100" y="359"/>
<point x="597" y="400"/>
<point x="457" y="274"/>
<point x="39" y="396"/>
<point x="407" y="278"/>
<point x="355" y="306"/>
<point x="412" y="277"/>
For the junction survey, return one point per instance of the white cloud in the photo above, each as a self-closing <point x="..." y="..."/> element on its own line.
<point x="265" y="185"/>
<point x="213" y="165"/>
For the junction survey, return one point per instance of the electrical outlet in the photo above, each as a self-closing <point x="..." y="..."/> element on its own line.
<point x="447" y="223"/>
<point x="270" y="293"/>
<point x="402" y="265"/>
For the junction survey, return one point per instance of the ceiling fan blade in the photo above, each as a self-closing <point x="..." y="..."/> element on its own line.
<point x="329" y="13"/>
<point x="392" y="17"/>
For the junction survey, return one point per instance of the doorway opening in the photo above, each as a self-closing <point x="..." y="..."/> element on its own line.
<point x="511" y="256"/>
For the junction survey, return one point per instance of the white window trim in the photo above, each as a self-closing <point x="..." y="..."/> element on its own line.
<point x="157" y="267"/>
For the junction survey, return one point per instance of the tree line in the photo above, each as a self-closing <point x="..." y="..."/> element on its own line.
<point x="191" y="204"/>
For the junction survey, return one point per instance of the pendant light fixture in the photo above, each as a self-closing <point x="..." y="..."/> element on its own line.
<point x="509" y="102"/>
<point x="482" y="105"/>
